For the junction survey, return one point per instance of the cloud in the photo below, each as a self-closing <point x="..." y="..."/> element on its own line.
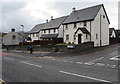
<point x="32" y="12"/>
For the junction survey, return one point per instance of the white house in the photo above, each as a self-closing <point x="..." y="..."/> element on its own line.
<point x="35" y="33"/>
<point x="112" y="33"/>
<point x="53" y="30"/>
<point x="12" y="38"/>
<point x="88" y="24"/>
<point x="50" y="30"/>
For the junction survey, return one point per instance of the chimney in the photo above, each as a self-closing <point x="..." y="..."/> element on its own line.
<point x="46" y="20"/>
<point x="73" y="9"/>
<point x="51" y="17"/>
<point x="13" y="30"/>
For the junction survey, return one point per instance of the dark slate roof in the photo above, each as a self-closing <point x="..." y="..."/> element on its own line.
<point x="86" y="14"/>
<point x="118" y="33"/>
<point x="36" y="28"/>
<point x="55" y="23"/>
<point x="49" y="36"/>
<point x="111" y="30"/>
<point x="84" y="30"/>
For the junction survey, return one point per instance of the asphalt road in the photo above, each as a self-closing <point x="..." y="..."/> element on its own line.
<point x="100" y="66"/>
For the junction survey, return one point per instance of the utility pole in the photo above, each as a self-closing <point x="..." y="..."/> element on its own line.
<point x="22" y="36"/>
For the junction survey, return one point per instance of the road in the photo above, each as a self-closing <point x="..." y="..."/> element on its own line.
<point x="101" y="66"/>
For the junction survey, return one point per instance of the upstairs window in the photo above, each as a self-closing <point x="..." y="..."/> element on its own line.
<point x="13" y="37"/>
<point x="49" y="31"/>
<point x="75" y="25"/>
<point x="54" y="30"/>
<point x="44" y="31"/>
<point x="85" y="23"/>
<point x="66" y="27"/>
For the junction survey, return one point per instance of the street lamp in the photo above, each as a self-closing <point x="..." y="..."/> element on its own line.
<point x="100" y="28"/>
<point x="22" y="36"/>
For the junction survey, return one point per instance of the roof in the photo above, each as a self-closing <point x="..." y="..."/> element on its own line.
<point x="111" y="30"/>
<point x="49" y="36"/>
<point x="118" y="33"/>
<point x="86" y="14"/>
<point x="54" y="23"/>
<point x="36" y="28"/>
<point x="84" y="30"/>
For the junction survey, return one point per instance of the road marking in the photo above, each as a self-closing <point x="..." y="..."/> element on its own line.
<point x="8" y="58"/>
<point x="88" y="77"/>
<point x="113" y="53"/>
<point x="30" y="64"/>
<point x="79" y="62"/>
<point x="89" y="63"/>
<point x="100" y="64"/>
<point x="71" y="62"/>
<point x="64" y="61"/>
<point x="97" y="59"/>
<point x="115" y="58"/>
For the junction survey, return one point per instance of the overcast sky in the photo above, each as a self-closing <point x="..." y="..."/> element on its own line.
<point x="13" y="13"/>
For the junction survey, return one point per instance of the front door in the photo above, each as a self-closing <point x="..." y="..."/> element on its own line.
<point x="79" y="38"/>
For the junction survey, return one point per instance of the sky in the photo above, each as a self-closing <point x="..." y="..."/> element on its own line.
<point x="14" y="13"/>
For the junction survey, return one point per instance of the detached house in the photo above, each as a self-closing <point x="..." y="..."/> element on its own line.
<point x="85" y="25"/>
<point x="12" y="38"/>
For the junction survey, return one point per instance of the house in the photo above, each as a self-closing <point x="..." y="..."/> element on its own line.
<point x="112" y="33"/>
<point x="12" y="38"/>
<point x="86" y="25"/>
<point x="118" y="33"/>
<point x="51" y="30"/>
<point x="1" y="37"/>
<point x="34" y="34"/>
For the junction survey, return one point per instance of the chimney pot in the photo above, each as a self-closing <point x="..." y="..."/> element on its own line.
<point x="46" y="20"/>
<point x="73" y="9"/>
<point x="13" y="30"/>
<point x="51" y="17"/>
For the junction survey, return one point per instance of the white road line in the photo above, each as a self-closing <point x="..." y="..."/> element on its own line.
<point x="79" y="62"/>
<point x="89" y="63"/>
<point x="8" y="58"/>
<point x="100" y="64"/>
<point x="88" y="77"/>
<point x="71" y="62"/>
<point x="97" y="59"/>
<point x="113" y="53"/>
<point x="30" y="64"/>
<point x="64" y="61"/>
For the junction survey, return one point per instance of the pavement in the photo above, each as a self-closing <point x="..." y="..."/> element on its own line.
<point x="101" y="65"/>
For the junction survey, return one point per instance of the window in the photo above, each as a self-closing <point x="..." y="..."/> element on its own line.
<point x="75" y="25"/>
<point x="96" y="36"/>
<point x="54" y="30"/>
<point x="74" y="37"/>
<point x="13" y="36"/>
<point x="33" y="35"/>
<point x="86" y="36"/>
<point x="44" y="31"/>
<point x="67" y="37"/>
<point x="66" y="27"/>
<point x="85" y="23"/>
<point x="49" y="31"/>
